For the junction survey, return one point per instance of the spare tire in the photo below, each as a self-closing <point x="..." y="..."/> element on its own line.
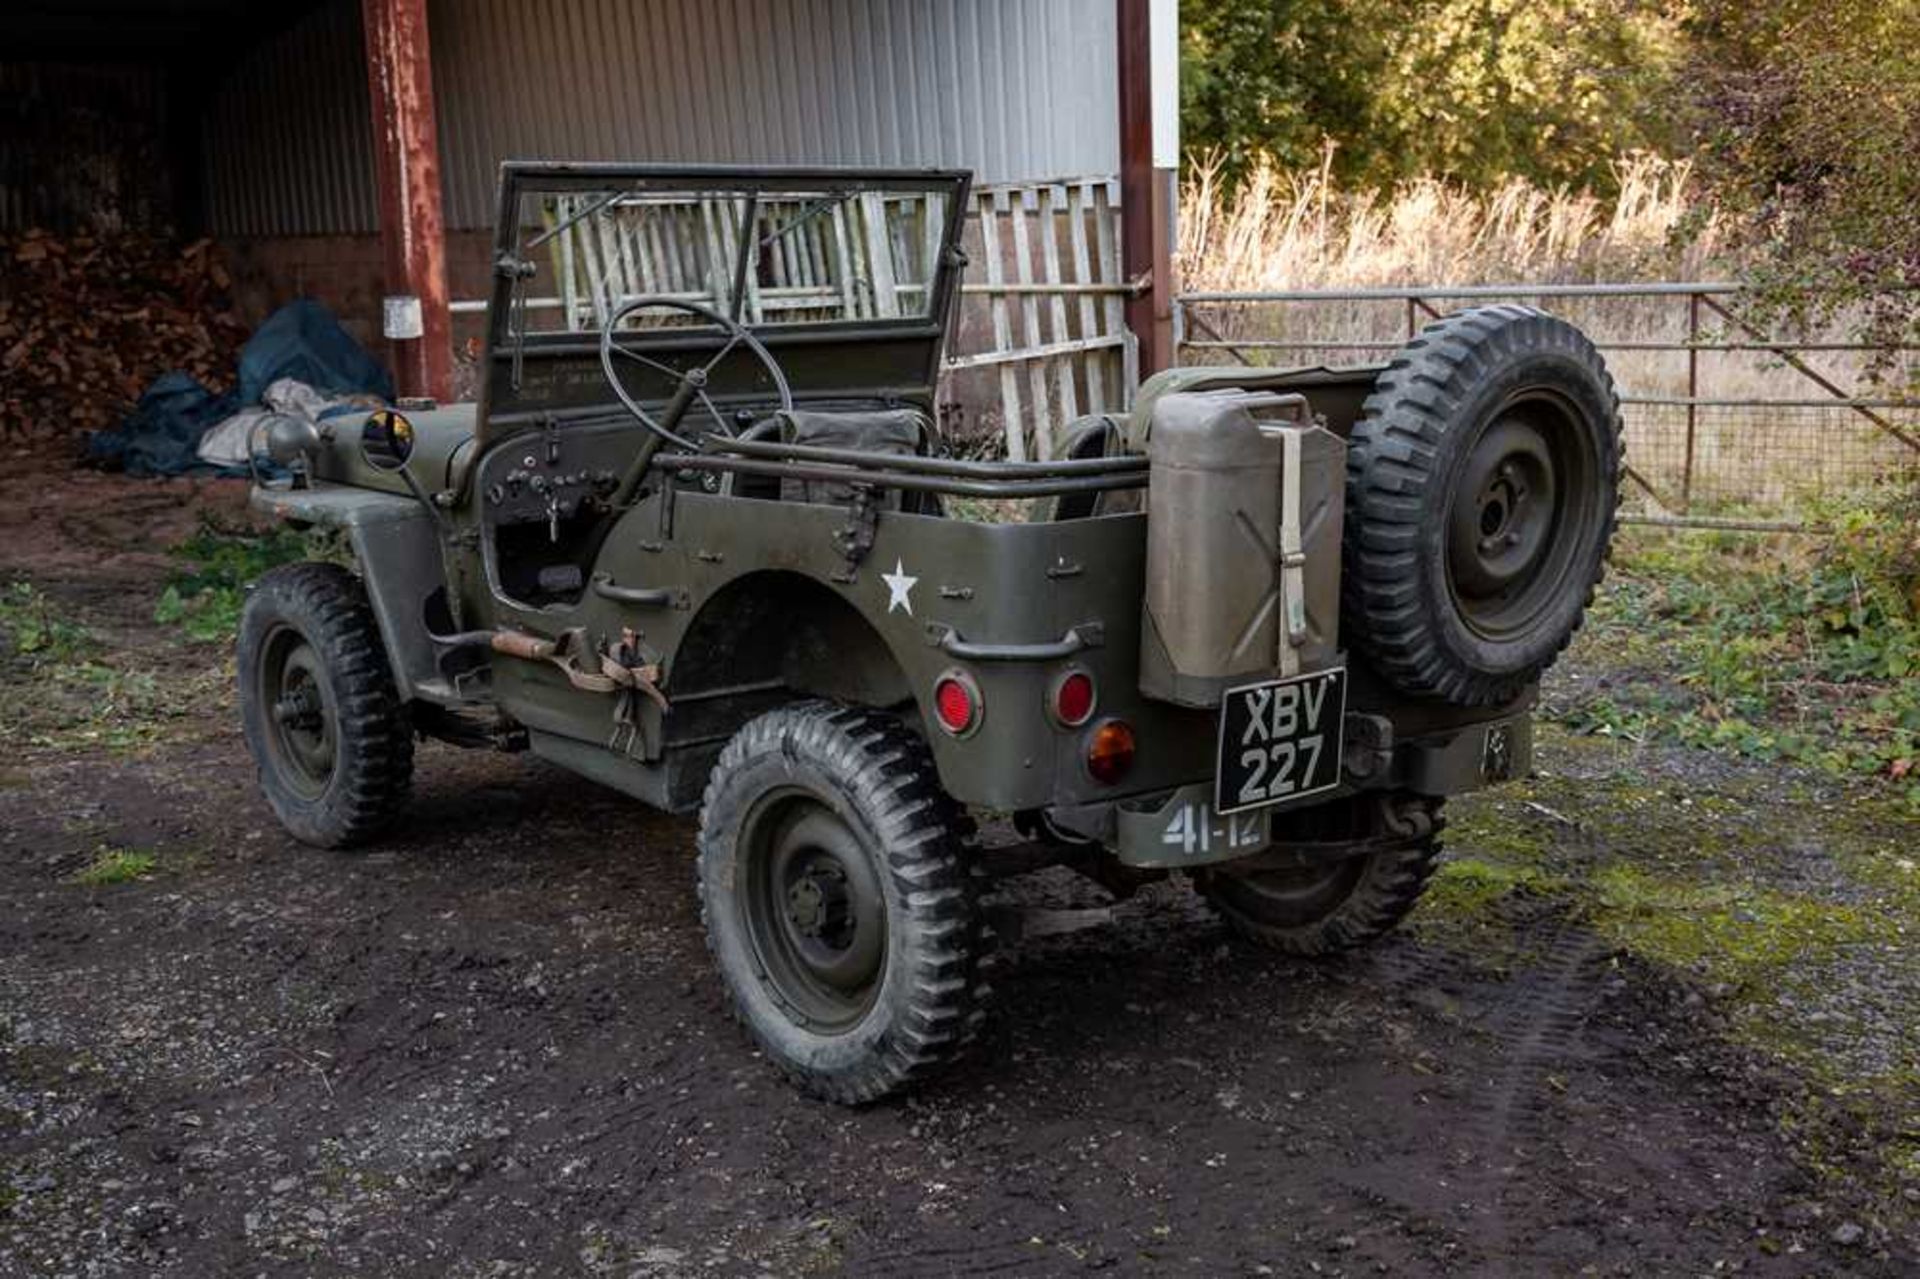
<point x="1482" y="486"/>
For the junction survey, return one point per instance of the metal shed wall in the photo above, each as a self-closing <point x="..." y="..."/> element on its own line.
<point x="1013" y="89"/>
<point x="82" y="145"/>
<point x="288" y="138"/>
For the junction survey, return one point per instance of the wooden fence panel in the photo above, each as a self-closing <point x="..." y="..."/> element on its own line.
<point x="1048" y="278"/>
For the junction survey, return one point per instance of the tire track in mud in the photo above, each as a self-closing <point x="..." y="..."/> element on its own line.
<point x="980" y="1257"/>
<point x="1535" y="1020"/>
<point x="1518" y="1029"/>
<point x="1533" y="1032"/>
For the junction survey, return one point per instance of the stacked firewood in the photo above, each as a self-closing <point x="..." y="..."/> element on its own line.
<point x="88" y="320"/>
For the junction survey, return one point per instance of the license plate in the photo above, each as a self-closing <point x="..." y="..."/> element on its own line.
<point x="1196" y="832"/>
<point x="1280" y="740"/>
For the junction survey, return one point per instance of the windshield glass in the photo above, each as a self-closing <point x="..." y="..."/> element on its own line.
<point x="795" y="254"/>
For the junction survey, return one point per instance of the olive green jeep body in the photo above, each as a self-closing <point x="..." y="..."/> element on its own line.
<point x="700" y="541"/>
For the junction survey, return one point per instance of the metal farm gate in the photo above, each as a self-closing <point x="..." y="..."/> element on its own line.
<point x="1726" y="426"/>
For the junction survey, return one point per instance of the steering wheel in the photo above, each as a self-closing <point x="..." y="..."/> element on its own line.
<point x="692" y="382"/>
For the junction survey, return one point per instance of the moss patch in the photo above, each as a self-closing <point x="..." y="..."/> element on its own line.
<point x="1468" y="893"/>
<point x="116" y="866"/>
<point x="1790" y="900"/>
<point x="1738" y="936"/>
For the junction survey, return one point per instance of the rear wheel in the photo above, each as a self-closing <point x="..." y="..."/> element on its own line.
<point x="838" y="902"/>
<point x="330" y="736"/>
<point x="1319" y="909"/>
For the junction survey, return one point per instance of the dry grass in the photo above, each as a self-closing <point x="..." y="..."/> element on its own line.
<point x="1282" y="231"/>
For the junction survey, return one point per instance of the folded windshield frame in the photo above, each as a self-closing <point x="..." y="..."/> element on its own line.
<point x="545" y="367"/>
<point x="521" y="249"/>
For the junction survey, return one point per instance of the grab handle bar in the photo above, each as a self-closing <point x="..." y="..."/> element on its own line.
<point x="1084" y="636"/>
<point x="649" y="596"/>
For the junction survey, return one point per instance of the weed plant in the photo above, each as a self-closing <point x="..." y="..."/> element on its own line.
<point x="1798" y="649"/>
<point x="218" y="564"/>
<point x="112" y="865"/>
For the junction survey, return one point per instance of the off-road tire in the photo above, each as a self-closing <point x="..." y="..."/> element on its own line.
<point x="1449" y="590"/>
<point x="877" y="781"/>
<point x="324" y="608"/>
<point x="1352" y="903"/>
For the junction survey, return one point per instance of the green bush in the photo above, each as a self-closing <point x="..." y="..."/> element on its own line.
<point x="31" y="629"/>
<point x="1865" y="591"/>
<point x="1795" y="649"/>
<point x="220" y="561"/>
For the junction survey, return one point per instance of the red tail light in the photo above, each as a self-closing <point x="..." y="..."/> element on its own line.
<point x="1074" y="698"/>
<point x="956" y="704"/>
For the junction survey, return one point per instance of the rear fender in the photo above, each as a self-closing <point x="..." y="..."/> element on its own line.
<point x="398" y="549"/>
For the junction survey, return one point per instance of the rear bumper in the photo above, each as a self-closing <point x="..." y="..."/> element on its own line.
<point x="1179" y="828"/>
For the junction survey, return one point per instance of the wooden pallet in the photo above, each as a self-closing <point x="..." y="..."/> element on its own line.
<point x="1058" y="333"/>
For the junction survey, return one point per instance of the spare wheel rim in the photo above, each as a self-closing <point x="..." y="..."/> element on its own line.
<point x="1522" y="514"/>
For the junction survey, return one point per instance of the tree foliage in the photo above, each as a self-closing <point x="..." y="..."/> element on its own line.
<point x="1809" y="121"/>
<point x="1470" y="90"/>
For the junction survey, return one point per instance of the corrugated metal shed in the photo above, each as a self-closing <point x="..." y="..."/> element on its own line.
<point x="82" y="145"/>
<point x="1013" y="89"/>
<point x="288" y="139"/>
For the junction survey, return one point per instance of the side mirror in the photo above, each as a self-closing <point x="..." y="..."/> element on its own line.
<point x="386" y="441"/>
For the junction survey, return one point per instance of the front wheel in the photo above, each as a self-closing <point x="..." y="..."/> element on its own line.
<point x="327" y="729"/>
<point x="1320" y="909"/>
<point x="837" y="899"/>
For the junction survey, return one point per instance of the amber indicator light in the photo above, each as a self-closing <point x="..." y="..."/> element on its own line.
<point x="1110" y="751"/>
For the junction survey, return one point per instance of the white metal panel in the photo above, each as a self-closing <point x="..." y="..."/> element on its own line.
<point x="1013" y="89"/>
<point x="1164" y="60"/>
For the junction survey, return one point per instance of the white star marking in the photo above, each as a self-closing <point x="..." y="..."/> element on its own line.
<point x="898" y="586"/>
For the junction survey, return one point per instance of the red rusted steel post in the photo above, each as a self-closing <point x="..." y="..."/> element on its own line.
<point x="1146" y="212"/>
<point x="407" y="163"/>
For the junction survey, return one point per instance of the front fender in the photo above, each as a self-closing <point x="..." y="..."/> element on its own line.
<point x="396" y="545"/>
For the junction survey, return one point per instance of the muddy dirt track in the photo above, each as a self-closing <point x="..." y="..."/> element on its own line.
<point x="493" y="1046"/>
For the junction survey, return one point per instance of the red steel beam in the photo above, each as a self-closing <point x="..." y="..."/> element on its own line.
<point x="407" y="163"/>
<point x="1146" y="255"/>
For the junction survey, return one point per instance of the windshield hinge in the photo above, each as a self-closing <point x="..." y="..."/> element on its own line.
<point x="518" y="270"/>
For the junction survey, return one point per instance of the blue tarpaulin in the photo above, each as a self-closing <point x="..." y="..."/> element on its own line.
<point x="160" y="435"/>
<point x="302" y="340"/>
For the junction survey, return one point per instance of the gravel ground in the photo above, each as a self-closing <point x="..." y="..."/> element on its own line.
<point x="493" y="1046"/>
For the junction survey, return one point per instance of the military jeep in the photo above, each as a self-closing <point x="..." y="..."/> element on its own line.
<point x="701" y="540"/>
